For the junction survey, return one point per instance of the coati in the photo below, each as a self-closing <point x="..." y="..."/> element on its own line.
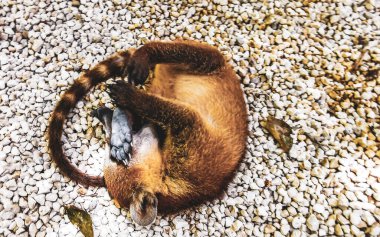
<point x="194" y="134"/>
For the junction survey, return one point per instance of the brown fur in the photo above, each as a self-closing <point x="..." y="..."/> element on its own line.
<point x="195" y="97"/>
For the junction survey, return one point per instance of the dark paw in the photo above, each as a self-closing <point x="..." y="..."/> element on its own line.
<point x="138" y="68"/>
<point x="121" y="136"/>
<point x="120" y="153"/>
<point x="119" y="91"/>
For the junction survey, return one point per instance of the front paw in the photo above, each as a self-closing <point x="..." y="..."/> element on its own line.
<point x="120" y="92"/>
<point x="138" y="67"/>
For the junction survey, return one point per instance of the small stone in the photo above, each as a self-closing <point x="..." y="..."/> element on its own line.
<point x="43" y="210"/>
<point x="296" y="233"/>
<point x="355" y="231"/>
<point x="368" y="218"/>
<point x="269" y="229"/>
<point x="82" y="191"/>
<point x="334" y="19"/>
<point x="32" y="229"/>
<point x="250" y="196"/>
<point x="51" y="197"/>
<point x="2" y="87"/>
<point x="292" y="192"/>
<point x="75" y="3"/>
<point x="237" y="225"/>
<point x="37" y="45"/>
<point x="312" y="223"/>
<point x="44" y="186"/>
<point x="355" y="218"/>
<point x="318" y="208"/>
<point x="374" y="230"/>
<point x="31" y="203"/>
<point x="342" y="220"/>
<point x="338" y="230"/>
<point x="296" y="223"/>
<point x="285" y="229"/>
<point x="260" y="183"/>
<point x="229" y="221"/>
<point x="180" y="223"/>
<point x="261" y="211"/>
<point x="342" y="200"/>
<point x="40" y="199"/>
<point x="223" y="2"/>
<point x="8" y="31"/>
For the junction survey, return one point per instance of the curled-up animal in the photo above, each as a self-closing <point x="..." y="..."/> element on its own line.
<point x="189" y="127"/>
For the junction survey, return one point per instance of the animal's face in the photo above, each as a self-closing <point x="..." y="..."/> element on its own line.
<point x="135" y="186"/>
<point x="143" y="207"/>
<point x="142" y="203"/>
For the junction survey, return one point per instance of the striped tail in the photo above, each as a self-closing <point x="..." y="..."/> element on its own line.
<point x="111" y="67"/>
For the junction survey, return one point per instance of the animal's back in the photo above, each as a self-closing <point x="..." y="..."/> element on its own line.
<point x="217" y="97"/>
<point x="216" y="150"/>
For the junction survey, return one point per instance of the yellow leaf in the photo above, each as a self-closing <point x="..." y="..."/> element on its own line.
<point x="281" y="132"/>
<point x="81" y="219"/>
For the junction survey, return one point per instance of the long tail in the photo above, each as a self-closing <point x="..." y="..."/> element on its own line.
<point x="111" y="67"/>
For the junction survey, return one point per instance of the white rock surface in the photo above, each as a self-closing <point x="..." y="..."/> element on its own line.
<point x="293" y="59"/>
<point x="312" y="223"/>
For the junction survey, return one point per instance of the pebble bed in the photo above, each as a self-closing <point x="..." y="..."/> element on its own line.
<point x="311" y="64"/>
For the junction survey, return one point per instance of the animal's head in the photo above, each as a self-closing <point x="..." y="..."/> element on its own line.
<point x="135" y="186"/>
<point x="143" y="207"/>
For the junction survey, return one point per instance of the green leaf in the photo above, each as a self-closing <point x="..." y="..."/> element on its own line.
<point x="281" y="132"/>
<point x="81" y="219"/>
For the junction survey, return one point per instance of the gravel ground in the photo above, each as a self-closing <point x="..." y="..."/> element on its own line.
<point x="313" y="65"/>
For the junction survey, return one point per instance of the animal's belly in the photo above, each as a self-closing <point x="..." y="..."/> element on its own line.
<point x="199" y="93"/>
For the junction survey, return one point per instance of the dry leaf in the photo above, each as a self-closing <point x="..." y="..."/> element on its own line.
<point x="81" y="219"/>
<point x="358" y="61"/>
<point x="281" y="131"/>
<point x="373" y="74"/>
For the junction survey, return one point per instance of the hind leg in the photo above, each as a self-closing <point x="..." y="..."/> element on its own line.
<point x="118" y="125"/>
<point x="121" y="136"/>
<point x="198" y="58"/>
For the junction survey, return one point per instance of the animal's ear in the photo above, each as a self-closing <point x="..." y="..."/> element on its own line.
<point x="143" y="208"/>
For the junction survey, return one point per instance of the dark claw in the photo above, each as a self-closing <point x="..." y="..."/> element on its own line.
<point x="119" y="154"/>
<point x="113" y="152"/>
<point x="123" y="155"/>
<point x="126" y="148"/>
